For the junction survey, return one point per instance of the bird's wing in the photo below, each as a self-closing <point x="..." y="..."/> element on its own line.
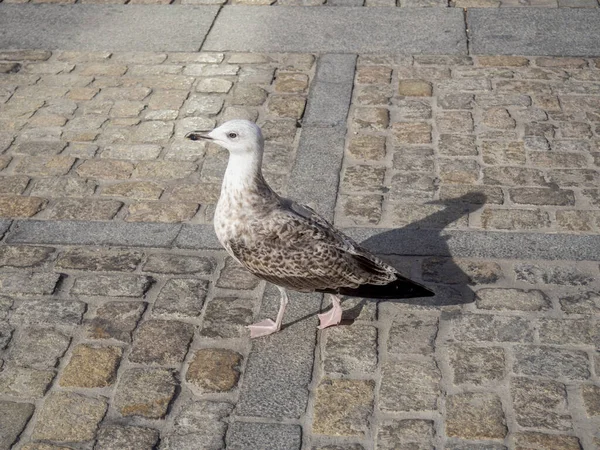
<point x="297" y="248"/>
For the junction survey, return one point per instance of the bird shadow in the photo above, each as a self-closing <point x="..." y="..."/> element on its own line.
<point x="420" y="252"/>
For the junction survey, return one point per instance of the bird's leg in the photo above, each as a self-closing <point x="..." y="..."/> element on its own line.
<point x="267" y="326"/>
<point x="333" y="316"/>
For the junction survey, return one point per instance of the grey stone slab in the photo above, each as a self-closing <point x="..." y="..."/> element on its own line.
<point x="263" y="436"/>
<point x="315" y="176"/>
<point x="535" y="31"/>
<point x="331" y="91"/>
<point x="92" y="233"/>
<point x="105" y="27"/>
<point x="197" y="236"/>
<point x="280" y="366"/>
<point x="479" y="244"/>
<point x="339" y="29"/>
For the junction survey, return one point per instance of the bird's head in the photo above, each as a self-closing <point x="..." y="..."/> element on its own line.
<point x="237" y="136"/>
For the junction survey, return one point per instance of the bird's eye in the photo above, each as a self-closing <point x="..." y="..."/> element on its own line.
<point x="232" y="135"/>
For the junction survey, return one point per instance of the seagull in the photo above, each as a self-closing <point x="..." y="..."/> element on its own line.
<point x="287" y="243"/>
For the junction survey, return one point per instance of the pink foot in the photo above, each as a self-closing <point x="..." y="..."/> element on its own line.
<point x="331" y="317"/>
<point x="263" y="328"/>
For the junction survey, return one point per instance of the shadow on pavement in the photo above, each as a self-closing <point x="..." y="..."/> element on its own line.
<point x="454" y="290"/>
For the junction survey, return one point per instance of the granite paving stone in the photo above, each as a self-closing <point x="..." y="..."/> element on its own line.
<point x="161" y="342"/>
<point x="16" y="416"/>
<point x="343" y="407"/>
<point x="201" y="424"/>
<point x="181" y="297"/>
<point x="420" y="382"/>
<point x="38" y="348"/>
<point x="540" y="404"/>
<point x="25" y="383"/>
<point x="115" y="320"/>
<point x="475" y="416"/>
<point x="116" y="437"/>
<point x="91" y="367"/>
<point x="351" y="349"/>
<point x="69" y="417"/>
<point x="214" y="370"/>
<point x="145" y="392"/>
<point x="417" y="434"/>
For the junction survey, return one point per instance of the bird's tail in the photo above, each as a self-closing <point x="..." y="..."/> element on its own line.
<point x="397" y="289"/>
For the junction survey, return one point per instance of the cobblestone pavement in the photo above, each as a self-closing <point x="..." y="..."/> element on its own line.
<point x="505" y="143"/>
<point x="119" y="333"/>
<point x="100" y="136"/>
<point x="376" y="3"/>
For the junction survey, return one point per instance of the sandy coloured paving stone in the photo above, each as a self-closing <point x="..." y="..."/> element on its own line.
<point x="475" y="416"/>
<point x="409" y="385"/>
<point x="14" y="206"/>
<point x="534" y="441"/>
<point x="214" y="370"/>
<point x="145" y="392"/>
<point x="69" y="417"/>
<point x="343" y="407"/>
<point x="91" y="367"/>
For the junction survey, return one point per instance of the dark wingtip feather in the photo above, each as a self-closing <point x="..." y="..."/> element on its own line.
<point x="400" y="288"/>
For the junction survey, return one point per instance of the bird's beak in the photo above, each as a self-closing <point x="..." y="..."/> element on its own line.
<point x="195" y="136"/>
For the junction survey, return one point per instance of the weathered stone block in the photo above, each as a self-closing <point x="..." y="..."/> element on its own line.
<point x="477" y="365"/>
<point x="343" y="407"/>
<point x="475" y="416"/>
<point x="534" y="441"/>
<point x="21" y="256"/>
<point x="564" y="276"/>
<point x="118" y="437"/>
<point x="145" y="392"/>
<point x="476" y="327"/>
<point x="586" y="302"/>
<point x="33" y="283"/>
<point x="227" y="317"/>
<point x="515" y="219"/>
<point x="234" y="276"/>
<point x="575" y="332"/>
<point x="112" y="285"/>
<point x="351" y="349"/>
<point x="410" y="434"/>
<point x="21" y="382"/>
<point x="540" y="404"/>
<point x="513" y="300"/>
<point x="409" y="386"/>
<point x="551" y="362"/>
<point x="48" y="311"/>
<point x="199" y="424"/>
<point x="214" y="370"/>
<point x="91" y="367"/>
<point x="69" y="417"/>
<point x="161" y="342"/>
<point x="38" y="348"/>
<point x="84" y="209"/>
<point x="115" y="320"/>
<point x="412" y="334"/>
<point x="15" y="417"/>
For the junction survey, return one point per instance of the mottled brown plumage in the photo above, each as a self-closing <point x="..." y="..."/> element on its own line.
<point x="286" y="243"/>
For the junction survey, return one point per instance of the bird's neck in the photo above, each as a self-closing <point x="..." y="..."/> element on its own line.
<point x="243" y="172"/>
